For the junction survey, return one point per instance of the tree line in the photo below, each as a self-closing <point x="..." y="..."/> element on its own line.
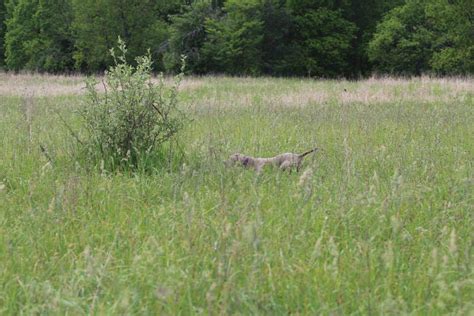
<point x="319" y="38"/>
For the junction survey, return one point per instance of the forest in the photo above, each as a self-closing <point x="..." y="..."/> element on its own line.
<point x="314" y="38"/>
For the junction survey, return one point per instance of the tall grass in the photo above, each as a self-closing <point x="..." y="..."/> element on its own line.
<point x="378" y="222"/>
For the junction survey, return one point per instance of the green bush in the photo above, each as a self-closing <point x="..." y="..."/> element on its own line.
<point x="134" y="120"/>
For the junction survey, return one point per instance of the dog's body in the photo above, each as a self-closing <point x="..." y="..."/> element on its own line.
<point x="286" y="161"/>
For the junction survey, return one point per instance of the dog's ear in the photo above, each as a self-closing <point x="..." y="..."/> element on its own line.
<point x="245" y="161"/>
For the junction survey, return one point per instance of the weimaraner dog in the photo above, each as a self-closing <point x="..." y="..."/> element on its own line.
<point x="286" y="161"/>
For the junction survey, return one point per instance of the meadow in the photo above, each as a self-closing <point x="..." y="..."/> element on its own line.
<point x="380" y="221"/>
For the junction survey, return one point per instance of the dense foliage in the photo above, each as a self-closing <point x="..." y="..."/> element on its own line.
<point x="98" y="23"/>
<point x="425" y="36"/>
<point x="321" y="38"/>
<point x="2" y="31"/>
<point x="39" y="35"/>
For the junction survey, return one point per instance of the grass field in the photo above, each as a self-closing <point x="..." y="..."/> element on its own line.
<point x="380" y="221"/>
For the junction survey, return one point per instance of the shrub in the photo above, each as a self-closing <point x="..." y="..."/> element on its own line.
<point x="130" y="124"/>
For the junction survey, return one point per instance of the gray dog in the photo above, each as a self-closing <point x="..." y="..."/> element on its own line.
<point x="286" y="161"/>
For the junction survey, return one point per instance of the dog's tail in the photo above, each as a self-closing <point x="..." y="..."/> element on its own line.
<point x="308" y="152"/>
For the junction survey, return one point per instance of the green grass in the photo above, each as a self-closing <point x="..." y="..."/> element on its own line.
<point x="379" y="222"/>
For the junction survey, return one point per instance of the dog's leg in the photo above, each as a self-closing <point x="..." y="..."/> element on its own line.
<point x="298" y="166"/>
<point x="286" y="165"/>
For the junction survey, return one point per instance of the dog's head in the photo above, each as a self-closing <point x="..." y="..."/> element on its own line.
<point x="237" y="157"/>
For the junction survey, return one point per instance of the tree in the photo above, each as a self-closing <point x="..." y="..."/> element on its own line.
<point x="403" y="41"/>
<point x="453" y="51"/>
<point x="20" y="31"/>
<point x="53" y="51"/>
<point x="164" y="9"/>
<point x="38" y="36"/>
<point x="425" y="36"/>
<point x="3" y="16"/>
<point x="187" y="37"/>
<point x="277" y="24"/>
<point x="233" y="43"/>
<point x="365" y="14"/>
<point x="300" y="7"/>
<point x="324" y="40"/>
<point x="97" y="25"/>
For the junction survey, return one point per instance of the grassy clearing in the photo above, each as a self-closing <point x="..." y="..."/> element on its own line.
<point x="380" y="221"/>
